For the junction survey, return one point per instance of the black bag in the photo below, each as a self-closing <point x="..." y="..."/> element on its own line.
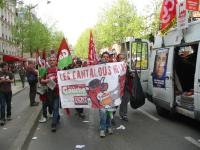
<point x="137" y="98"/>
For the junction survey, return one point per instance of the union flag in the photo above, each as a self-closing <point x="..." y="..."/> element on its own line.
<point x="168" y="15"/>
<point x="92" y="56"/>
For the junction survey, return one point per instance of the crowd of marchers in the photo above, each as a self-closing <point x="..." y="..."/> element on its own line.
<point x="50" y="97"/>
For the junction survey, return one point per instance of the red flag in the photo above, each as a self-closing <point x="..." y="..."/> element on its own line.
<point x="168" y="15"/>
<point x="192" y="5"/>
<point x="63" y="45"/>
<point x="92" y="56"/>
<point x="37" y="56"/>
<point x="64" y="57"/>
<point x="44" y="57"/>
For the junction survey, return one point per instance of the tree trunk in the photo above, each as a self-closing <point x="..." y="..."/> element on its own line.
<point x="31" y="53"/>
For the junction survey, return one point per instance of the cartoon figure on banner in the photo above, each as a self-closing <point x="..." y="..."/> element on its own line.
<point x="97" y="91"/>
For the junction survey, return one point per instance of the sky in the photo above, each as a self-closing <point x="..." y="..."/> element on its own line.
<point x="72" y="17"/>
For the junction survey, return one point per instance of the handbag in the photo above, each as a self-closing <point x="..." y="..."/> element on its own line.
<point x="137" y="98"/>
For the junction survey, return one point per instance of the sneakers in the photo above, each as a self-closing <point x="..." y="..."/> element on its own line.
<point x="102" y="133"/>
<point x="125" y="118"/>
<point x="110" y="131"/>
<point x="2" y="122"/>
<point x="43" y="120"/>
<point x="9" y="118"/>
<point x="34" y="104"/>
<point x="51" y="115"/>
<point x="53" y="128"/>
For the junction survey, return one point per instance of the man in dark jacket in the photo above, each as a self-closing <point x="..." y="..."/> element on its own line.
<point x="32" y="77"/>
<point x="6" y="78"/>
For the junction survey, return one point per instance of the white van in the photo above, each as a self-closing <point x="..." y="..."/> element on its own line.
<point x="174" y="72"/>
<point x="170" y="72"/>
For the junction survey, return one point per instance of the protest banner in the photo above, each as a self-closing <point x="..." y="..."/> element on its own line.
<point x="182" y="15"/>
<point x="98" y="86"/>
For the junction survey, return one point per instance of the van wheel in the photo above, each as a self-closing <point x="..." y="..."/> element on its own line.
<point x="161" y="111"/>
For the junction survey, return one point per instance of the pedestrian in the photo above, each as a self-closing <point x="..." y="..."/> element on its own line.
<point x="22" y="74"/>
<point x="13" y="69"/>
<point x="45" y="105"/>
<point x="105" y="114"/>
<point x="6" y="78"/>
<point x="32" y="77"/>
<point x="53" y="91"/>
<point x="123" y="109"/>
<point x="80" y="111"/>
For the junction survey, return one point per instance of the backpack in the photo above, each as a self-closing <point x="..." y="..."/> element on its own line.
<point x="32" y="79"/>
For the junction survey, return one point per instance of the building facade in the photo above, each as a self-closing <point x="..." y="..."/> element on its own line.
<point x="7" y="20"/>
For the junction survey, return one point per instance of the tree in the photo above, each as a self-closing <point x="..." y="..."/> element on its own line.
<point x="31" y="34"/>
<point x="153" y="19"/>
<point x="56" y="37"/>
<point x="81" y="48"/>
<point x="118" y="22"/>
<point x="2" y="2"/>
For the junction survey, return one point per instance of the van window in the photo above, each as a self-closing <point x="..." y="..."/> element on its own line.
<point x="139" y="52"/>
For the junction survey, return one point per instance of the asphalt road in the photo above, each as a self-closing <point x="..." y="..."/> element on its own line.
<point x="144" y="131"/>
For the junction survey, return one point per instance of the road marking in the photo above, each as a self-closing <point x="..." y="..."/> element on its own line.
<point x="193" y="141"/>
<point x="148" y="114"/>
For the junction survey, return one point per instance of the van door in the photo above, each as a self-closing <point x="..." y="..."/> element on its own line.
<point x="162" y="78"/>
<point x="139" y="63"/>
<point x="152" y="55"/>
<point x="197" y="86"/>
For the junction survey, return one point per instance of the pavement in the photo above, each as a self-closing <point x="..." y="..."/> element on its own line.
<point x="15" y="134"/>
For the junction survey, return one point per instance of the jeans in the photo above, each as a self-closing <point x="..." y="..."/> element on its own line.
<point x="22" y="77"/>
<point x="32" y="93"/>
<point x="55" y="110"/>
<point x="105" y="119"/>
<point x="46" y="104"/>
<point x="5" y="101"/>
<point x="124" y="104"/>
<point x="2" y="106"/>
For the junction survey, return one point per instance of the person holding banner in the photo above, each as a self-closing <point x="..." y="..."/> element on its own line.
<point x="53" y="91"/>
<point x="126" y="97"/>
<point x="80" y="111"/>
<point x="105" y="115"/>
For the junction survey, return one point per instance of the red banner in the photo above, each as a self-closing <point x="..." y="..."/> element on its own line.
<point x="168" y="15"/>
<point x="37" y="56"/>
<point x="192" y="5"/>
<point x="92" y="57"/>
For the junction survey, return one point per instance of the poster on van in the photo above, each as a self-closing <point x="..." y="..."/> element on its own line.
<point x="160" y="67"/>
